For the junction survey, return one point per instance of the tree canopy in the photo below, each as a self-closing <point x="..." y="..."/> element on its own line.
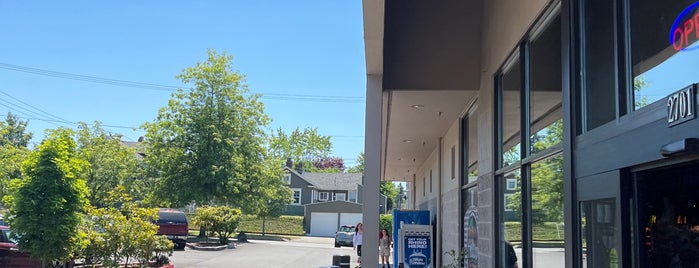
<point x="207" y="144"/>
<point x="112" y="164"/>
<point x="49" y="225"/>
<point x="13" y="150"/>
<point x="301" y="146"/>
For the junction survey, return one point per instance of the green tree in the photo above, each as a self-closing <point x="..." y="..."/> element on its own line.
<point x="359" y="168"/>
<point x="273" y="196"/>
<point x="301" y="146"/>
<point x="13" y="132"/>
<point x="546" y="179"/>
<point x="221" y="220"/>
<point x="46" y="206"/>
<point x="112" y="164"/>
<point x="13" y="150"/>
<point x="208" y="141"/>
<point x="390" y="190"/>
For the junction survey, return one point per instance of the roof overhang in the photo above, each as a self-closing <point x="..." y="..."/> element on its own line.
<point x="427" y="54"/>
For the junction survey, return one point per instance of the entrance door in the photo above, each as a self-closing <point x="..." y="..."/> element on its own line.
<point x="667" y="216"/>
<point x="599" y="221"/>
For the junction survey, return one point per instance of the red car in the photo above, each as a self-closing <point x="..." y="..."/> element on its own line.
<point x="10" y="256"/>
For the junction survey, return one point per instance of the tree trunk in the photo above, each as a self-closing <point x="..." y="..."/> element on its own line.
<point x="264" y="220"/>
<point x="202" y="232"/>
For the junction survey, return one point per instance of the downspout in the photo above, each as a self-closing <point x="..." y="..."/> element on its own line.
<point x="439" y="201"/>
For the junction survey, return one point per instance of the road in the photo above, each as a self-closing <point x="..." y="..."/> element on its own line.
<point x="303" y="252"/>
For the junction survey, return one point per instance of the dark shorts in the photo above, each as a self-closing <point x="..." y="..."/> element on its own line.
<point x="359" y="250"/>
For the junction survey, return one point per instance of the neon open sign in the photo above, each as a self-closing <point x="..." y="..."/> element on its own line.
<point x="685" y="29"/>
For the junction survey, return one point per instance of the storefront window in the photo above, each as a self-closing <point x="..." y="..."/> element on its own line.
<point x="469" y="151"/>
<point x="511" y="116"/>
<point x="546" y="126"/>
<point x="511" y="220"/>
<point x="598" y="61"/>
<point x="664" y="48"/>
<point x="547" y="212"/>
<point x="470" y="220"/>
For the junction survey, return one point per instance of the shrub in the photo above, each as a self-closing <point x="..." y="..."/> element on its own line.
<point x="284" y="225"/>
<point x="221" y="220"/>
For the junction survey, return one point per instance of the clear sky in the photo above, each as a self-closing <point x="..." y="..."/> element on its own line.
<point x="306" y="57"/>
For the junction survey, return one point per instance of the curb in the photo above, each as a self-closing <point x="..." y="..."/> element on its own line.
<point x="208" y="248"/>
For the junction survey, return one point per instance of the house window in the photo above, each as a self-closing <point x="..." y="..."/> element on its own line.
<point x="340" y="197"/>
<point x="508" y="203"/>
<point x="352" y="196"/>
<point x="286" y="179"/>
<point x="511" y="184"/>
<point x="297" y="196"/>
<point x="324" y="196"/>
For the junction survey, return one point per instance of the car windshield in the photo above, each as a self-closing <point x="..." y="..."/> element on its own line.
<point x="6" y="235"/>
<point x="347" y="229"/>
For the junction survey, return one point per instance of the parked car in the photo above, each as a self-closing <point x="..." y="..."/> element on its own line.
<point x="173" y="224"/>
<point x="344" y="236"/>
<point x="10" y="256"/>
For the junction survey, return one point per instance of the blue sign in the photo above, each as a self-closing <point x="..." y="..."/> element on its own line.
<point x="417" y="251"/>
<point x="407" y="217"/>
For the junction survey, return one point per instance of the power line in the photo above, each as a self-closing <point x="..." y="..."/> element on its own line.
<point x="33" y="107"/>
<point x="159" y="87"/>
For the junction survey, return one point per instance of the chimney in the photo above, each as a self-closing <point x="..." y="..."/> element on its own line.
<point x="289" y="163"/>
<point x="299" y="167"/>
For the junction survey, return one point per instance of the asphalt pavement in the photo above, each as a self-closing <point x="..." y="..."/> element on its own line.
<point x="303" y="252"/>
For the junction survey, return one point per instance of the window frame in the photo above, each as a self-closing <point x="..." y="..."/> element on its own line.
<point x="321" y="194"/>
<point x="293" y="196"/>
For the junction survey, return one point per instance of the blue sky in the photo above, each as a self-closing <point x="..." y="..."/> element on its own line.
<point x="311" y="50"/>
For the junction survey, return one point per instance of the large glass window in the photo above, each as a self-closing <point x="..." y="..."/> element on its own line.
<point x="511" y="221"/>
<point x="469" y="206"/>
<point x="664" y="47"/>
<point x="598" y="59"/>
<point x="510" y="123"/>
<point x="600" y="248"/>
<point x="530" y="178"/>
<point x="469" y="151"/>
<point x="545" y="90"/>
<point x="547" y="212"/>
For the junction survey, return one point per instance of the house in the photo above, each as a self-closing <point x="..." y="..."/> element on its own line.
<point x="326" y="200"/>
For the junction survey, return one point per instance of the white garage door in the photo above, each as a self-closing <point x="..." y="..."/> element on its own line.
<point x="323" y="224"/>
<point x="350" y="218"/>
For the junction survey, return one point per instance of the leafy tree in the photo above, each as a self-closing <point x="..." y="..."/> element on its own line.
<point x="208" y="141"/>
<point x="13" y="132"/>
<point x="221" y="220"/>
<point x="329" y="164"/>
<point x="46" y="205"/>
<point x="359" y="168"/>
<point x="112" y="164"/>
<point x="390" y="190"/>
<point x="546" y="179"/>
<point x="301" y="146"/>
<point x="274" y="196"/>
<point x="274" y="203"/>
<point x="13" y="150"/>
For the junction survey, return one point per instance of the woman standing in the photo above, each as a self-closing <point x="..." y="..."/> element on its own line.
<point x="357" y="241"/>
<point x="384" y="248"/>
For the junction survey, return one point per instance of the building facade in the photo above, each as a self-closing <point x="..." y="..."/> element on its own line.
<point x="547" y="133"/>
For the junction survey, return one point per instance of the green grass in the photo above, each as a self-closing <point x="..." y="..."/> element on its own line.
<point x="541" y="232"/>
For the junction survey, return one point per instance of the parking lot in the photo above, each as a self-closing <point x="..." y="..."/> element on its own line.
<point x="301" y="252"/>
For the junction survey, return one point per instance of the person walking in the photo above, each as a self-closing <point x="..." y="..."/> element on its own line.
<point x="385" y="248"/>
<point x="357" y="242"/>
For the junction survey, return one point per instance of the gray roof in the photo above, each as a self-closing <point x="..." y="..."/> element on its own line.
<point x="334" y="181"/>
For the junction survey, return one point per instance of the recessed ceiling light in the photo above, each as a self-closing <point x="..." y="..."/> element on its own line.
<point x="418" y="106"/>
<point x="407" y="141"/>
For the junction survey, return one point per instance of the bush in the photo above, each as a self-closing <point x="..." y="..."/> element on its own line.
<point x="221" y="220"/>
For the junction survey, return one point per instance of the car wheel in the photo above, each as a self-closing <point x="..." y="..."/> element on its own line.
<point x="337" y="245"/>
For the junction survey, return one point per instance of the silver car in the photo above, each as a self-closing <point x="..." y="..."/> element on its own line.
<point x="344" y="236"/>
